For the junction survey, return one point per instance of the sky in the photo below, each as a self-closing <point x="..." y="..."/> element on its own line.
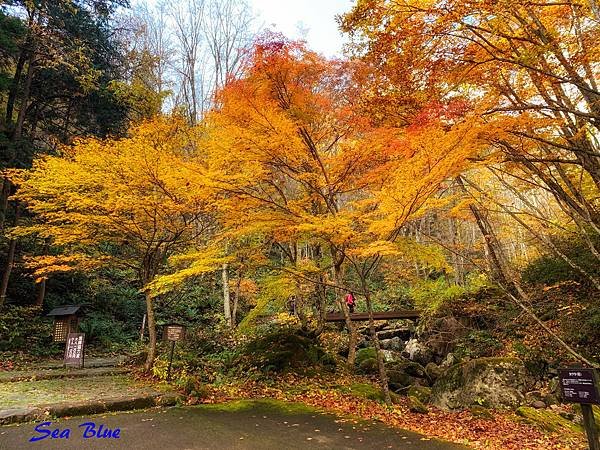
<point x="313" y="20"/>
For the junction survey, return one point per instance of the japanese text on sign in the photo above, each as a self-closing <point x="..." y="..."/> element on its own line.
<point x="174" y="332"/>
<point x="74" y="349"/>
<point x="579" y="385"/>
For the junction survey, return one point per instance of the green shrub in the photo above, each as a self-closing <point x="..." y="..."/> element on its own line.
<point x="280" y="351"/>
<point x="24" y="328"/>
<point x="550" y="269"/>
<point x="478" y="344"/>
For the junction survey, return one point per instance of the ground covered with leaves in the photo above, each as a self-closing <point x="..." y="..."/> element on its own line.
<point x="355" y="397"/>
<point x="44" y="392"/>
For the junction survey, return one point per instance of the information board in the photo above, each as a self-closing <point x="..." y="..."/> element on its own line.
<point x="174" y="332"/>
<point x="74" y="349"/>
<point x="579" y="385"/>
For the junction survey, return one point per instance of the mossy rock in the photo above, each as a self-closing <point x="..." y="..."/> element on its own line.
<point x="370" y="392"/>
<point x="481" y="412"/>
<point x="409" y="367"/>
<point x="595" y="409"/>
<point x="398" y="380"/>
<point x="365" y="390"/>
<point x="551" y="399"/>
<point x="433" y="371"/>
<point x="548" y="420"/>
<point x="368" y="366"/>
<point x="415" y="405"/>
<point x="490" y="382"/>
<point x="421" y="392"/>
<point x="365" y="353"/>
<point x="396" y="399"/>
<point x="280" y="351"/>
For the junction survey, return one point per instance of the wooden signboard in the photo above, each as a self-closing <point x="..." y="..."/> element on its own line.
<point x="74" y="349"/>
<point x="579" y="385"/>
<point x="174" y="332"/>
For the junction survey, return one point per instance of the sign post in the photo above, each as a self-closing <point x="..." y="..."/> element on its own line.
<point x="580" y="385"/>
<point x="173" y="332"/>
<point x="75" y="349"/>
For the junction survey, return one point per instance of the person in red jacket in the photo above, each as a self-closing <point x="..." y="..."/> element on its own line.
<point x="350" y="301"/>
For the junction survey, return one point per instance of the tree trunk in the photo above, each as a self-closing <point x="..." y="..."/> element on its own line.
<point x="236" y="300"/>
<point x="25" y="100"/>
<point x="10" y="260"/>
<point x="352" y="332"/>
<point x="6" y="188"/>
<point x="40" y="293"/>
<point x="383" y="379"/>
<point x="226" y="296"/>
<point x="151" y="333"/>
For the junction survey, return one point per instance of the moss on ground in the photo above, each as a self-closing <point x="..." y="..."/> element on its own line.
<point x="548" y="420"/>
<point x="363" y="390"/>
<point x="264" y="405"/>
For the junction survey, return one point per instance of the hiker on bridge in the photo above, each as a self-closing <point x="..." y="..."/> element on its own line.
<point x="350" y="301"/>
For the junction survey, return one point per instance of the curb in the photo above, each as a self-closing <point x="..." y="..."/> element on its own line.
<point x="19" y="415"/>
<point x="95" y="372"/>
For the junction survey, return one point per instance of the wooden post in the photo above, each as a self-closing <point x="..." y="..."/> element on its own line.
<point x="171" y="361"/>
<point x="142" y="329"/>
<point x="590" y="426"/>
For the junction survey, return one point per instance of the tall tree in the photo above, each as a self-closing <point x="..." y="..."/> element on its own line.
<point x="58" y="61"/>
<point x="124" y="202"/>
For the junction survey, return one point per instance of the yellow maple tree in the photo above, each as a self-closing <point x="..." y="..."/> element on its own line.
<point x="126" y="202"/>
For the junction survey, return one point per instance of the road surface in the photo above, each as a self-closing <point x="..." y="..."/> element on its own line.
<point x="254" y="427"/>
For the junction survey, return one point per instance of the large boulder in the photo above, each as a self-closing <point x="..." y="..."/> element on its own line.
<point x="417" y="352"/>
<point x="433" y="371"/>
<point x="490" y="382"/>
<point x="391" y="357"/>
<point x="395" y="344"/>
<point x="365" y="353"/>
<point x="403" y="333"/>
<point x="368" y="366"/>
<point x="421" y="392"/>
<point x="443" y="334"/>
<point x="281" y="351"/>
<point x="398" y="381"/>
<point x="409" y="367"/>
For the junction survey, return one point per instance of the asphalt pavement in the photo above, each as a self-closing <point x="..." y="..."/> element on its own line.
<point x="197" y="428"/>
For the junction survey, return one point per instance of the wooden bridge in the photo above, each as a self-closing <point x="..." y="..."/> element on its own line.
<point x="411" y="314"/>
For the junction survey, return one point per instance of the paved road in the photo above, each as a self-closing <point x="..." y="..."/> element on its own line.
<point x="194" y="428"/>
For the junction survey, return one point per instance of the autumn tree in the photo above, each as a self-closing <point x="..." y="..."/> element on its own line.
<point x="124" y="202"/>
<point x="530" y="69"/>
<point x="293" y="161"/>
<point x="59" y="62"/>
